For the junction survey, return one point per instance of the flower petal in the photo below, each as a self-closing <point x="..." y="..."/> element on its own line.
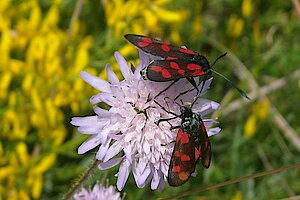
<point x="90" y="130"/>
<point x="213" y="131"/>
<point x="96" y="82"/>
<point x="126" y="71"/>
<point x="128" y="152"/>
<point x="109" y="164"/>
<point x="123" y="174"/>
<point x="144" y="59"/>
<point x="102" y="150"/>
<point x="83" y="121"/>
<point x="155" y="180"/>
<point x="112" y="77"/>
<point x="103" y="97"/>
<point x="91" y="143"/>
<point x="205" y="106"/>
<point x="102" y="112"/>
<point x="162" y="183"/>
<point x="209" y="122"/>
<point x="113" y="150"/>
<point x="144" y="178"/>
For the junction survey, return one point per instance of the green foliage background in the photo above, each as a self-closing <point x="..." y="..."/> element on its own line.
<point x="45" y="44"/>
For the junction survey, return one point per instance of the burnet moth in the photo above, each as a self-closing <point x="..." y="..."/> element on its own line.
<point x="174" y="63"/>
<point x="191" y="143"/>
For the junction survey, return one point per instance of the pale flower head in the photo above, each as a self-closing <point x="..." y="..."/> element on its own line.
<point x="127" y="133"/>
<point x="99" y="192"/>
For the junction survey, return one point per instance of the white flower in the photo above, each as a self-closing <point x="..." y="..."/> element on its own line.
<point x="127" y="133"/>
<point x="99" y="192"/>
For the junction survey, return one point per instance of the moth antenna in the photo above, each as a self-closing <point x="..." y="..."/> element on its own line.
<point x="221" y="56"/>
<point x="242" y="92"/>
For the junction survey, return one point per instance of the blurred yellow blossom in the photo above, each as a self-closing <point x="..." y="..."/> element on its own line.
<point x="247" y="7"/>
<point x="260" y="111"/>
<point x="4" y="84"/>
<point x="141" y="17"/>
<point x="235" y="26"/>
<point x="238" y="196"/>
<point x="262" y="108"/>
<point x="45" y="164"/>
<point x="22" y="153"/>
<point x="250" y="126"/>
<point x="34" y="92"/>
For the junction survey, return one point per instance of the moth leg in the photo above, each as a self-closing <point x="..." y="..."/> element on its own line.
<point x="182" y="93"/>
<point x="166" y="88"/>
<point x="174" y="127"/>
<point x="198" y="91"/>
<point x="167" y="111"/>
<point x="168" y="143"/>
<point x="193" y="82"/>
<point x="205" y="78"/>
<point x="165" y="120"/>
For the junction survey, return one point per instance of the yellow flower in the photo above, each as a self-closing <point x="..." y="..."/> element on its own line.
<point x="51" y="18"/>
<point x="237" y="196"/>
<point x="23" y="195"/>
<point x="141" y="16"/>
<point x="260" y="111"/>
<point x="35" y="17"/>
<point x="4" y="84"/>
<point x="45" y="164"/>
<point x="5" y="45"/>
<point x="82" y="54"/>
<point x="22" y="153"/>
<point x="4" y="4"/>
<point x="247" y="7"/>
<point x="37" y="186"/>
<point x="34" y="91"/>
<point x="235" y="26"/>
<point x="6" y="172"/>
<point x="262" y="108"/>
<point x="250" y="126"/>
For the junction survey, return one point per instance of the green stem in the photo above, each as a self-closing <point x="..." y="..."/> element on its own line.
<point x="83" y="179"/>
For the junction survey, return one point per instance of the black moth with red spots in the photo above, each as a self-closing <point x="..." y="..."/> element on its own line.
<point x="191" y="143"/>
<point x="175" y="63"/>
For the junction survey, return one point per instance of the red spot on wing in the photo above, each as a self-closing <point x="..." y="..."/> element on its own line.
<point x="185" y="138"/>
<point x="179" y="134"/>
<point x="165" y="48"/>
<point x="165" y="73"/>
<point x="177" y="154"/>
<point x="183" y="176"/>
<point x="145" y="42"/>
<point x="181" y="72"/>
<point x="193" y="66"/>
<point x="156" y="68"/>
<point x="171" y="58"/>
<point x="174" y="65"/>
<point x="185" y="157"/>
<point x="186" y="51"/>
<point x="198" y="73"/>
<point x="176" y="169"/>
